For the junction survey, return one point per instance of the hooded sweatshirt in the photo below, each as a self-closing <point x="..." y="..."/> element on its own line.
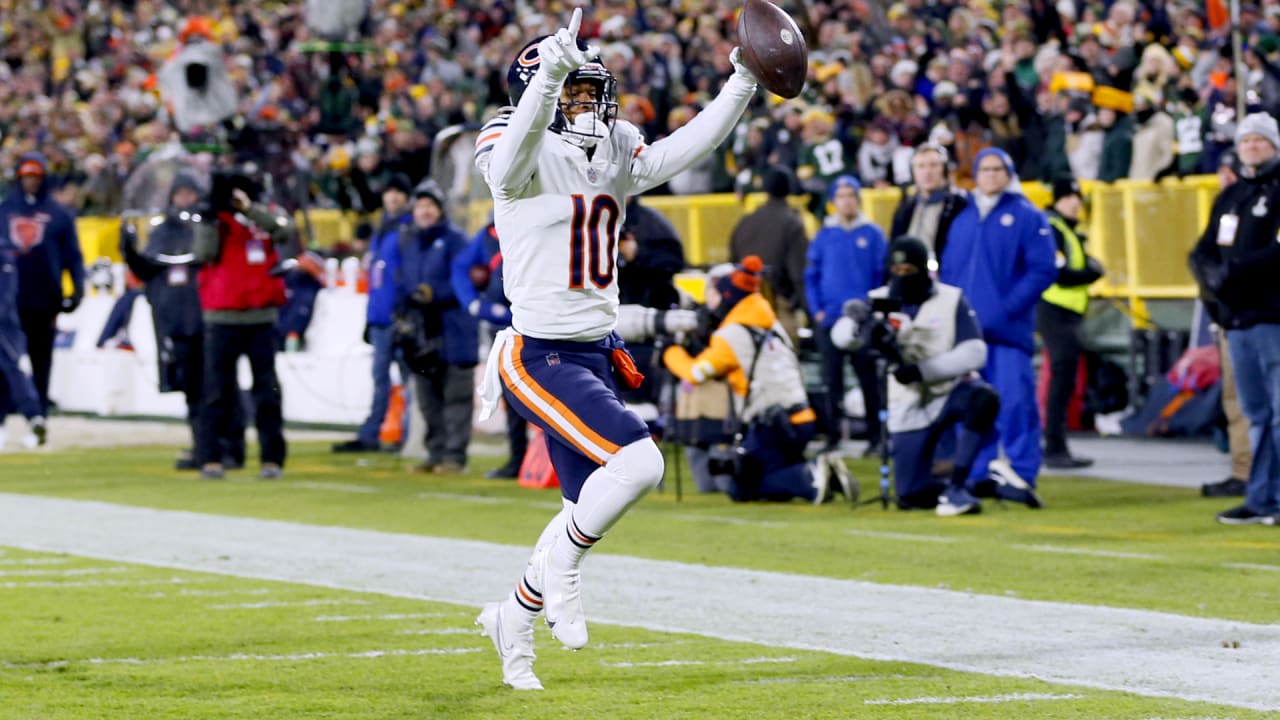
<point x="1000" y="253"/>
<point x="42" y="234"/>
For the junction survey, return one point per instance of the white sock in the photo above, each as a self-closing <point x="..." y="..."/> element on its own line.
<point x="606" y="496"/>
<point x="525" y="602"/>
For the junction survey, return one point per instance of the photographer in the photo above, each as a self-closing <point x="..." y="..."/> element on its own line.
<point x="168" y="269"/>
<point x="751" y="350"/>
<point x="241" y="293"/>
<point x="437" y="335"/>
<point x="930" y="337"/>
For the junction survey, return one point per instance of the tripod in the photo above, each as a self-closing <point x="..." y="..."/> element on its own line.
<point x="882" y="382"/>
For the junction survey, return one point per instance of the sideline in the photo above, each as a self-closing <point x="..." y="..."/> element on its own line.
<point x="1143" y="652"/>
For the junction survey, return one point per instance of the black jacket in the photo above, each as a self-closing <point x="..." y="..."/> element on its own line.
<point x="954" y="202"/>
<point x="647" y="280"/>
<point x="168" y="269"/>
<point x="1238" y="272"/>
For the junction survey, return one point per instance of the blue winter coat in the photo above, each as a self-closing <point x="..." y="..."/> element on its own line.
<point x="382" y="271"/>
<point x="493" y="305"/>
<point x="426" y="257"/>
<point x="43" y="235"/>
<point x="1003" y="263"/>
<point x="843" y="262"/>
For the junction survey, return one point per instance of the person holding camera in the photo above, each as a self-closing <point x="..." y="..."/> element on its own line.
<point x="168" y="267"/>
<point x="437" y="335"/>
<point x="241" y="293"/>
<point x="929" y="336"/>
<point x="752" y="351"/>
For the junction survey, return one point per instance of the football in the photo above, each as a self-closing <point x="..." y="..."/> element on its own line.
<point x="773" y="48"/>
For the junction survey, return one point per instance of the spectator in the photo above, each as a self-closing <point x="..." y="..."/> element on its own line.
<point x="1237" y="424"/>
<point x="927" y="213"/>
<point x="1153" y="140"/>
<point x="934" y="353"/>
<point x="1060" y="317"/>
<point x="1236" y="262"/>
<point x="240" y="298"/>
<point x="1117" y="144"/>
<point x="43" y="234"/>
<point x="445" y="385"/>
<point x="17" y="389"/>
<point x="1000" y="254"/>
<point x="776" y="235"/>
<point x="750" y="348"/>
<point x="477" y="281"/>
<point x="845" y="262"/>
<point x="384" y="267"/>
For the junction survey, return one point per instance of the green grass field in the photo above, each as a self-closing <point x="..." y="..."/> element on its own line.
<point x="93" y="638"/>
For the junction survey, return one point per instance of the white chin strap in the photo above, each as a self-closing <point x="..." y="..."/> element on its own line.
<point x="587" y="130"/>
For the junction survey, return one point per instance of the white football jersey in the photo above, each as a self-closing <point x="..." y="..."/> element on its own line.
<point x="559" y="233"/>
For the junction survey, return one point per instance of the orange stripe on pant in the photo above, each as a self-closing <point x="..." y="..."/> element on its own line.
<point x="559" y="416"/>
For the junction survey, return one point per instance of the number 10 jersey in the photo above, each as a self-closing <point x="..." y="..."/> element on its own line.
<point x="559" y="232"/>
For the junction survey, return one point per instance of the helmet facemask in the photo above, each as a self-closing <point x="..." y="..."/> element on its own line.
<point x="592" y="120"/>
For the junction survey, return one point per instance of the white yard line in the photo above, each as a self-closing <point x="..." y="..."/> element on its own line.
<point x="440" y="631"/>
<point x="207" y="593"/>
<point x="96" y="583"/>
<point x="287" y="604"/>
<point x="1085" y="551"/>
<point x="911" y="537"/>
<point x="242" y="657"/>
<point x="732" y="521"/>
<point x="1014" y="697"/>
<point x="364" y="618"/>
<point x="1149" y="653"/>
<point x="683" y="663"/>
<point x="70" y="572"/>
<point x="35" y="561"/>
<point x="1252" y="566"/>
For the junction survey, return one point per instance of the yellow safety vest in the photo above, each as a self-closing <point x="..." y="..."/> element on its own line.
<point x="1075" y="299"/>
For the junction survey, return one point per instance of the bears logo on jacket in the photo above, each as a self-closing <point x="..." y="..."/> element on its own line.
<point x="27" y="232"/>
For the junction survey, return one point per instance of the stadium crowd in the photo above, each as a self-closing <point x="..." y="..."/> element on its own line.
<point x="958" y="98"/>
<point x="1094" y="90"/>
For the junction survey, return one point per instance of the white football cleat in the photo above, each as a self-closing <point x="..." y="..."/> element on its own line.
<point x="514" y="645"/>
<point x="845" y="484"/>
<point x="562" y="602"/>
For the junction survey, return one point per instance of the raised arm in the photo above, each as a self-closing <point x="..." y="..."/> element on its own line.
<point x="511" y="163"/>
<point x="655" y="164"/>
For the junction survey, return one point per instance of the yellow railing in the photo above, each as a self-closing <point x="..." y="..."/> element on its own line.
<point x="1141" y="231"/>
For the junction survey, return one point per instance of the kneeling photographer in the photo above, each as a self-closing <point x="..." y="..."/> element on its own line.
<point x="750" y="349"/>
<point x="930" y="338"/>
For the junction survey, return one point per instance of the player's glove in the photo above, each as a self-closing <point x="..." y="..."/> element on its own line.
<point x="128" y="236"/>
<point x="423" y="294"/>
<point x="735" y="57"/>
<point x="559" y="54"/>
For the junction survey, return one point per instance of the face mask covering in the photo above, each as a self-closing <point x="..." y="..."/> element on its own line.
<point x="911" y="289"/>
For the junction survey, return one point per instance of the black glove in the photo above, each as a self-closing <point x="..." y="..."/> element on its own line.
<point x="365" y="335"/>
<point x="884" y="340"/>
<point x="907" y="374"/>
<point x="69" y="304"/>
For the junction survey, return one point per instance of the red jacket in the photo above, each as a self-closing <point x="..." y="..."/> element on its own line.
<point x="240" y="278"/>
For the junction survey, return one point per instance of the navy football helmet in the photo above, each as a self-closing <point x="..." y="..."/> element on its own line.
<point x="602" y="112"/>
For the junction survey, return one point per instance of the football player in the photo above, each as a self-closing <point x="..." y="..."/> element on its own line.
<point x="560" y="166"/>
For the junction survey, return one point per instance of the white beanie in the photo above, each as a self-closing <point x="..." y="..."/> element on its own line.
<point x="1260" y="124"/>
